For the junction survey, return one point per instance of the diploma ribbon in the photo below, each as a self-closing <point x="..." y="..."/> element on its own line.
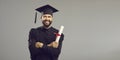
<point x="57" y="34"/>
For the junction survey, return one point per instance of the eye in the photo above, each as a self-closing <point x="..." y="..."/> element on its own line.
<point x="44" y="16"/>
<point x="49" y="16"/>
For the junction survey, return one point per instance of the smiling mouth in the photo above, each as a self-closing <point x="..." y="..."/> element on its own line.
<point x="47" y="23"/>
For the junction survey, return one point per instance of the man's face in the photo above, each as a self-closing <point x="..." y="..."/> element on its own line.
<point x="46" y="19"/>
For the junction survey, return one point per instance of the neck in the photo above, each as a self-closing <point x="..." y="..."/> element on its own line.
<point x="46" y="27"/>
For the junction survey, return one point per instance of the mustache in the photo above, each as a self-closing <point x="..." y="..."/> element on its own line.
<point x="46" y="20"/>
<point x="50" y="22"/>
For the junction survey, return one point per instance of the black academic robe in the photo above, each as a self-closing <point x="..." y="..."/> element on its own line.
<point x="46" y="36"/>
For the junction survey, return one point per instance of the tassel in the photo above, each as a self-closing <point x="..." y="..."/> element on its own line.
<point x="35" y="17"/>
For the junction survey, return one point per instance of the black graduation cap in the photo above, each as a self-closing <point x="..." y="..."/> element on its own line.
<point x="46" y="9"/>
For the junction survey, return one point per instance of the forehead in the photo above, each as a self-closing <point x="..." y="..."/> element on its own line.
<point x="46" y="15"/>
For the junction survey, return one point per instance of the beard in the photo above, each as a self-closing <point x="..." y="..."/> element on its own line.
<point x="46" y="23"/>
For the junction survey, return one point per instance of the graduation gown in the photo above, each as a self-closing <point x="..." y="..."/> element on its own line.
<point x="46" y="36"/>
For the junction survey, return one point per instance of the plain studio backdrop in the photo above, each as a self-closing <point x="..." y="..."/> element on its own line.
<point x="92" y="28"/>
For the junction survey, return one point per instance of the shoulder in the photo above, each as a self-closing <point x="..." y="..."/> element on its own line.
<point x="34" y="30"/>
<point x="54" y="29"/>
<point x="57" y="30"/>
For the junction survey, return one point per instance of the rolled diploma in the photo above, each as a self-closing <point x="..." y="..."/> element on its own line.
<point x="60" y="32"/>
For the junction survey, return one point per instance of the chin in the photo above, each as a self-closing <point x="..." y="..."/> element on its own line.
<point x="46" y="25"/>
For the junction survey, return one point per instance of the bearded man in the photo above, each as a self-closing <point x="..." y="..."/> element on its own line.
<point x="42" y="44"/>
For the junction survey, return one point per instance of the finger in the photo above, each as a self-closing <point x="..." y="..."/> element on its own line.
<point x="50" y="44"/>
<point x="37" y="46"/>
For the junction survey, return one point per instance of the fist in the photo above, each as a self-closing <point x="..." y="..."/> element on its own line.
<point x="38" y="45"/>
<point x="54" y="44"/>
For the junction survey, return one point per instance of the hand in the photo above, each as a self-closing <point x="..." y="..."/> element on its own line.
<point x="38" y="44"/>
<point x="54" y="44"/>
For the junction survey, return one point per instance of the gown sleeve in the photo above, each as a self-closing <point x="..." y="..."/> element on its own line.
<point x="54" y="51"/>
<point x="31" y="42"/>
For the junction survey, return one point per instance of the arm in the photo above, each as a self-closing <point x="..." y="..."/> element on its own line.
<point x="54" y="51"/>
<point x="32" y="40"/>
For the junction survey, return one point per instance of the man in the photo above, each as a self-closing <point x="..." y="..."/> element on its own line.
<point x="42" y="45"/>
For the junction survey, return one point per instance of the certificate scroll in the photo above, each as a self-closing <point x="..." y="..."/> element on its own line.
<point x="59" y="33"/>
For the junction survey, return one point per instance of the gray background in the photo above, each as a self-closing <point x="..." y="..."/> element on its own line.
<point x="92" y="28"/>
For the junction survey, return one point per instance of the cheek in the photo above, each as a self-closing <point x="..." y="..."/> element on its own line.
<point x="42" y="18"/>
<point x="50" y="19"/>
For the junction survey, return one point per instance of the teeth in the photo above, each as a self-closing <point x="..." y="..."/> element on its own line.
<point x="47" y="22"/>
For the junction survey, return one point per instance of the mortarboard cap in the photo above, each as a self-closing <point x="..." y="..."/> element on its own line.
<point x="46" y="9"/>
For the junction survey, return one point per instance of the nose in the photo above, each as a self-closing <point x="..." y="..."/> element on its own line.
<point x="47" y="18"/>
